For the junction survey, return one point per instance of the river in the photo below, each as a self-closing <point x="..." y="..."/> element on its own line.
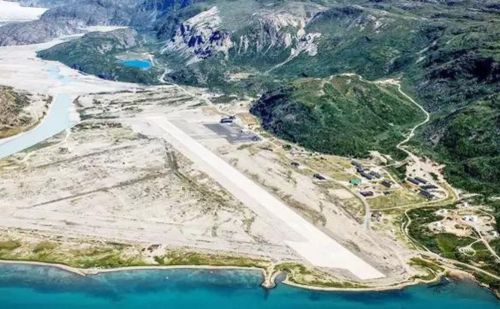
<point x="58" y="119"/>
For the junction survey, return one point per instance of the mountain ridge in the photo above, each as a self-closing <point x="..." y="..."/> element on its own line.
<point x="446" y="54"/>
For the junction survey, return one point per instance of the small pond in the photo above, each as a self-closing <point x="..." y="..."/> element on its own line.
<point x="137" y="64"/>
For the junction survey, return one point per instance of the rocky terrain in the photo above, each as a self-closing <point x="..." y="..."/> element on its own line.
<point x="200" y="37"/>
<point x="65" y="18"/>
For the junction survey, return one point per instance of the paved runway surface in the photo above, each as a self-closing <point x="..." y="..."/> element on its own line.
<point x="307" y="240"/>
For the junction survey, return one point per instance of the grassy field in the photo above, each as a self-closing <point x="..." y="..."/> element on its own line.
<point x="196" y="258"/>
<point x="300" y="274"/>
<point x="397" y="198"/>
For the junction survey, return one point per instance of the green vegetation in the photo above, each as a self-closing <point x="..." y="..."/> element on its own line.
<point x="342" y="115"/>
<point x="449" y="59"/>
<point x="186" y="258"/>
<point x="432" y="269"/>
<point x="299" y="274"/>
<point x="44" y="246"/>
<point x="12" y="104"/>
<point x="448" y="245"/>
<point x="97" y="255"/>
<point x="104" y="258"/>
<point x="9" y="245"/>
<point x="399" y="172"/>
<point x="493" y="283"/>
<point x="469" y="145"/>
<point x="418" y="229"/>
<point x="98" y="54"/>
<point x="397" y="198"/>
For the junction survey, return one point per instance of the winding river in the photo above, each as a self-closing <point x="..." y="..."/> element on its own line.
<point x="56" y="121"/>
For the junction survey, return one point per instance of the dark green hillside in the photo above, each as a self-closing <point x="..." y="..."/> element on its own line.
<point x="458" y="80"/>
<point x="96" y="53"/>
<point x="343" y="115"/>
<point x="468" y="142"/>
<point x="448" y="57"/>
<point x="371" y="43"/>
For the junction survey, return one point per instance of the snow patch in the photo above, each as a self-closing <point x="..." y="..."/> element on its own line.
<point x="14" y="12"/>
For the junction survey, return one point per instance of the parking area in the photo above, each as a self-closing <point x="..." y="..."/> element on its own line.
<point x="209" y="127"/>
<point x="232" y="132"/>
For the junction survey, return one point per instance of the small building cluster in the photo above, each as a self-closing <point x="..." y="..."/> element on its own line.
<point x="366" y="173"/>
<point x="387" y="183"/>
<point x="355" y="181"/>
<point x="376" y="216"/>
<point x="423" y="185"/>
<point x="319" y="176"/>
<point x="426" y="194"/>
<point x="371" y="176"/>
<point x="367" y="193"/>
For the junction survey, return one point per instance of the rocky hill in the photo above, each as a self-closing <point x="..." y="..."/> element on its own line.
<point x="69" y="17"/>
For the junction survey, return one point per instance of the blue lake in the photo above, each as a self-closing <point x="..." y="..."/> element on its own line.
<point x="23" y="286"/>
<point x="137" y="64"/>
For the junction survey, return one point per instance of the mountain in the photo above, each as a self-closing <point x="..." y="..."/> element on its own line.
<point x="69" y="17"/>
<point x="445" y="52"/>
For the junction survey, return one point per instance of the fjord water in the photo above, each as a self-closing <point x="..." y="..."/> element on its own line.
<point x="24" y="286"/>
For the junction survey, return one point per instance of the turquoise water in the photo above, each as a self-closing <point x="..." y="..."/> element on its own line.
<point x="57" y="120"/>
<point x="24" y="286"/>
<point x="137" y="64"/>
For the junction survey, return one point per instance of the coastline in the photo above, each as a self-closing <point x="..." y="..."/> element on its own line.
<point x="26" y="286"/>
<point x="268" y="278"/>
